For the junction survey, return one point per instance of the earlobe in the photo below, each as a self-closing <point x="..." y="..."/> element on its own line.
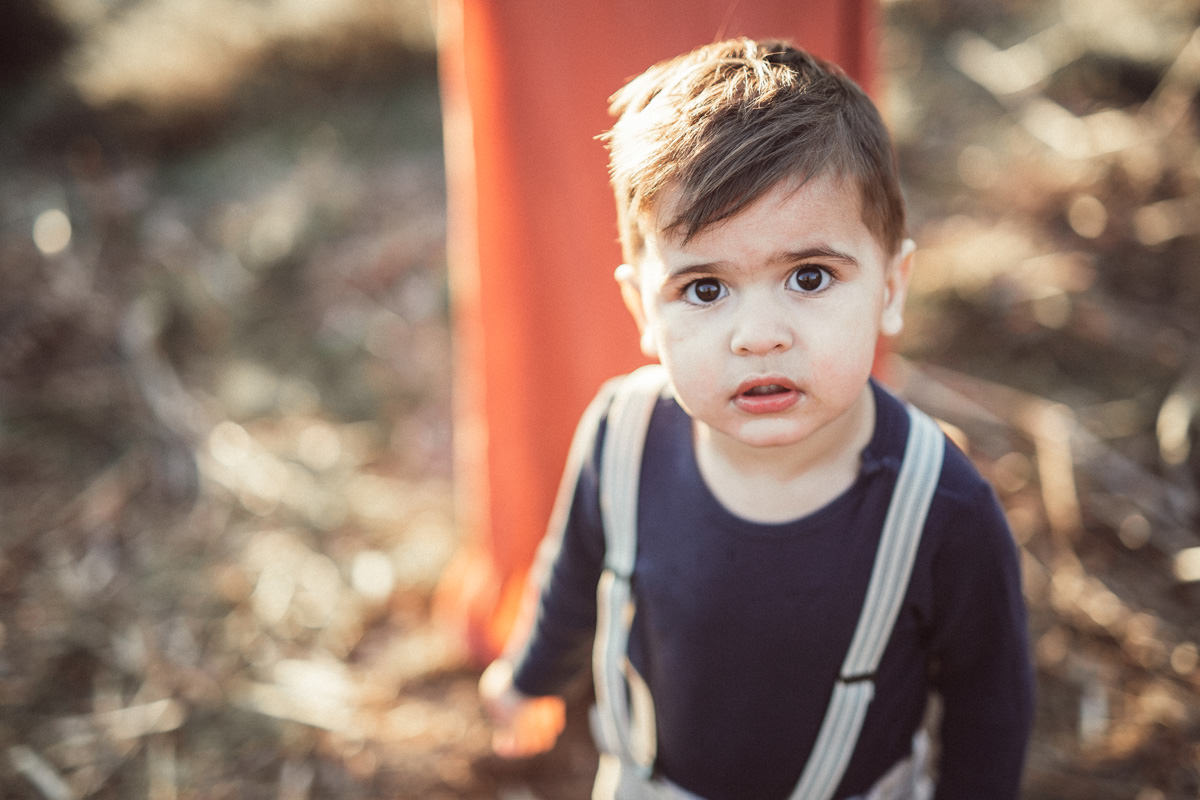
<point x="891" y="323"/>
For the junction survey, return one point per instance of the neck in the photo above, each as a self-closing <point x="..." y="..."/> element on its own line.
<point x="775" y="484"/>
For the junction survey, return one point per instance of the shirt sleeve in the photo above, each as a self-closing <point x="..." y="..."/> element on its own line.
<point x="569" y="563"/>
<point x="981" y="664"/>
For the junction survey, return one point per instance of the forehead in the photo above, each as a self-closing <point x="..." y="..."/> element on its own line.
<point x="825" y="209"/>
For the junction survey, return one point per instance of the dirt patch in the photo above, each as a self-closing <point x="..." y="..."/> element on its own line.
<point x="224" y="394"/>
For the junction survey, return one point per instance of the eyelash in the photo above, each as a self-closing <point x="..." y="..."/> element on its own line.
<point x="828" y="277"/>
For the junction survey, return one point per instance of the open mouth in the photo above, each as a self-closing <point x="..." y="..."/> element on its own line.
<point x="766" y="396"/>
<point x="766" y="389"/>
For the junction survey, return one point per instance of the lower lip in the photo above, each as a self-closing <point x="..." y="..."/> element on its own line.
<point x="767" y="403"/>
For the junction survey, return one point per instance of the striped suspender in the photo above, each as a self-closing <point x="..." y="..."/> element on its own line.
<point x="620" y="472"/>
<point x="919" y="473"/>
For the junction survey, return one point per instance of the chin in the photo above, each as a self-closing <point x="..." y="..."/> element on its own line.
<point x="777" y="435"/>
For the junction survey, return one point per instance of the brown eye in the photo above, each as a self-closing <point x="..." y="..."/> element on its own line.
<point x="704" y="291"/>
<point x="810" y="279"/>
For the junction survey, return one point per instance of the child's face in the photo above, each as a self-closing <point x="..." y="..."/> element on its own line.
<point x="767" y="322"/>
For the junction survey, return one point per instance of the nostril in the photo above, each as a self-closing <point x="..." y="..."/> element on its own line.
<point x="762" y="343"/>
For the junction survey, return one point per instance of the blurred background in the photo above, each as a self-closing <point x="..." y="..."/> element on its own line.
<point x="225" y="373"/>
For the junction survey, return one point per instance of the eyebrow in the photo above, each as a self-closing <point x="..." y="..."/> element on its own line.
<point x="791" y="256"/>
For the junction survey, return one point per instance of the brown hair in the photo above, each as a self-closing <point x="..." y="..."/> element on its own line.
<point x="726" y="122"/>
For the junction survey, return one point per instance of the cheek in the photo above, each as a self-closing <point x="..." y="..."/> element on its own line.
<point x="844" y="352"/>
<point x="687" y="352"/>
<point x="691" y="354"/>
<point x="679" y="331"/>
<point x="846" y="368"/>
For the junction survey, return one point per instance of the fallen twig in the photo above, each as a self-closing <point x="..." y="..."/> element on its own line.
<point x="969" y="401"/>
<point x="40" y="773"/>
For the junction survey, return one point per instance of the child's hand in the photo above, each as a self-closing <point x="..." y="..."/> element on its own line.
<point x="524" y="726"/>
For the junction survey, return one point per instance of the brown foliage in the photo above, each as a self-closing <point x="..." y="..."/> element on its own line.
<point x="224" y="431"/>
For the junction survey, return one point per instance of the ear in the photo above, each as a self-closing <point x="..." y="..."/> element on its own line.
<point x="899" y="270"/>
<point x="631" y="292"/>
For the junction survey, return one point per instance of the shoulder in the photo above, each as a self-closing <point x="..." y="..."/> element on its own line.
<point x="626" y="412"/>
<point x="967" y="526"/>
<point x="964" y="504"/>
<point x="649" y="381"/>
<point x="627" y="403"/>
<point x="960" y="484"/>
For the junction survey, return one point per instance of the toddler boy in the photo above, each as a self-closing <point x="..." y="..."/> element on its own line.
<point x="763" y="234"/>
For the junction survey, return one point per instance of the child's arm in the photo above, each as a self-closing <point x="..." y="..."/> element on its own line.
<point x="984" y="673"/>
<point x="552" y="640"/>
<point x="523" y="726"/>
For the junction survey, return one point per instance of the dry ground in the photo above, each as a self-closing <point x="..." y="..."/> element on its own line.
<point x="224" y="438"/>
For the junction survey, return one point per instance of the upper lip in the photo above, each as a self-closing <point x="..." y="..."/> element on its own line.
<point x="765" y="381"/>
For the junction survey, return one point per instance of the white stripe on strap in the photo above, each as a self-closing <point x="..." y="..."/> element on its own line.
<point x="902" y="527"/>
<point x="835" y="742"/>
<point x="621" y="463"/>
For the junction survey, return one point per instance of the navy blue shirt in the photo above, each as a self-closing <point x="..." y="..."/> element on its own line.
<point x="741" y="627"/>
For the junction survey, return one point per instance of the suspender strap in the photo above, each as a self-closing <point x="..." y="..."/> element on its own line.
<point x="902" y="527"/>
<point x="620" y="472"/>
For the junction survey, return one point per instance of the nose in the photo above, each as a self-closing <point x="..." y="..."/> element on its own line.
<point x="761" y="327"/>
